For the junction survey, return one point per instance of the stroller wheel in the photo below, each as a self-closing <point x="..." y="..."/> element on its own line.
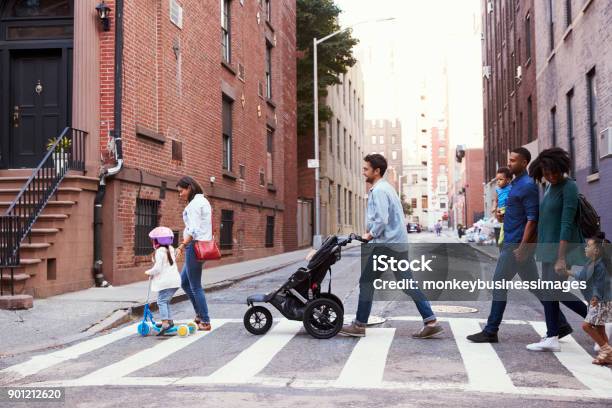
<point x="323" y="318"/>
<point x="258" y="320"/>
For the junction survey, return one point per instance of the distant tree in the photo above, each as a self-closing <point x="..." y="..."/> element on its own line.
<point x="317" y="19"/>
<point x="406" y="206"/>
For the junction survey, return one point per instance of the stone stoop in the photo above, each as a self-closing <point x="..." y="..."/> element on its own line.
<point x="57" y="255"/>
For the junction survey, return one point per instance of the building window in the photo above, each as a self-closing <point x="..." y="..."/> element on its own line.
<point x="330" y="136"/>
<point x="442" y="206"/>
<point x="381" y="140"/>
<point x="268" y="10"/>
<point x="350" y="99"/>
<point x="226" y="36"/>
<point x="442" y="186"/>
<point x="345" y="206"/>
<point x="568" y="12"/>
<point x="551" y="25"/>
<point x="394" y="155"/>
<point x="374" y="139"/>
<point x="442" y="169"/>
<point x="441" y="152"/>
<point x="268" y="70"/>
<point x="441" y="135"/>
<point x="350" y="149"/>
<point x="269" y="155"/>
<point x="413" y="203"/>
<point x="592" y="110"/>
<point x="528" y="37"/>
<point x="529" y="120"/>
<point x="424" y="202"/>
<point x="227" y="134"/>
<point x="147" y="216"/>
<point x="345" y="146"/>
<point x="392" y="140"/>
<point x="553" y="125"/>
<point x="415" y="179"/>
<point x="338" y="141"/>
<point x="350" y="207"/>
<point x="339" y="208"/>
<point x="227" y="226"/>
<point x="570" y="127"/>
<point x="269" y="231"/>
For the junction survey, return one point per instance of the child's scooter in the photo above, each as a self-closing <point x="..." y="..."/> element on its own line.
<point x="148" y="325"/>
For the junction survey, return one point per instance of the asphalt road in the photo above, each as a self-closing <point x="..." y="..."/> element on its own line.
<point x="286" y="367"/>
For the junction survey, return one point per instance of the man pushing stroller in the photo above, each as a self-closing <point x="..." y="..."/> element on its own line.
<point x="385" y="225"/>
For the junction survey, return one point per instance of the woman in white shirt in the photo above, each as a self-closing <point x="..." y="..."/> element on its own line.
<point x="198" y="227"/>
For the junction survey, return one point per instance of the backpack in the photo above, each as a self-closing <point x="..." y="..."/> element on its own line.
<point x="587" y="218"/>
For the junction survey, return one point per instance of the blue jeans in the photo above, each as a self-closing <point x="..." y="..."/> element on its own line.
<point x="191" y="282"/>
<point x="551" y="307"/>
<point x="163" y="302"/>
<point x="366" y="294"/>
<point x="507" y="268"/>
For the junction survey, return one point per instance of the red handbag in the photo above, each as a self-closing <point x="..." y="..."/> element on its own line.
<point x="207" y="250"/>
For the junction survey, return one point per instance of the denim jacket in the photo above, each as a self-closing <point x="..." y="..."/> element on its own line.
<point x="598" y="281"/>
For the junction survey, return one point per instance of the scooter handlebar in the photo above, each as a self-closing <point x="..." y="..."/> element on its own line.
<point x="356" y="237"/>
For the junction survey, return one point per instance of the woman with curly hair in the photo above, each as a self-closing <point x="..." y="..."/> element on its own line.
<point x="559" y="239"/>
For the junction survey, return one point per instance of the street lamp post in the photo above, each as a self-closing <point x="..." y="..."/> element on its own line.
<point x="315" y="42"/>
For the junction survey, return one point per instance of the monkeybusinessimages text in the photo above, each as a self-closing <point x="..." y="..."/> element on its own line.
<point x="385" y="263"/>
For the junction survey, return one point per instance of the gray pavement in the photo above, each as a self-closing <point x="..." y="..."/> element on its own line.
<point x="66" y="318"/>
<point x="286" y="367"/>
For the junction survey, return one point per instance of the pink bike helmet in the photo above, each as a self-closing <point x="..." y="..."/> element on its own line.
<point x="163" y="235"/>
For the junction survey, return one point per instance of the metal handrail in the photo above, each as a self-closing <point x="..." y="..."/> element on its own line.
<point x="20" y="217"/>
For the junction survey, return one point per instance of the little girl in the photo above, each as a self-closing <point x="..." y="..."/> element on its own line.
<point x="165" y="278"/>
<point x="597" y="276"/>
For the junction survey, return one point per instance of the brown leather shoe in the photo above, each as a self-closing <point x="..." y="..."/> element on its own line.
<point x="427" y="332"/>
<point x="203" y="326"/>
<point x="354" y="330"/>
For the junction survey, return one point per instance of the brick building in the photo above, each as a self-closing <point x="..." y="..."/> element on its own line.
<point x="467" y="191"/>
<point x="509" y="76"/>
<point x="182" y="102"/>
<point x="385" y="137"/>
<point x="575" y="92"/>
<point x="342" y="191"/>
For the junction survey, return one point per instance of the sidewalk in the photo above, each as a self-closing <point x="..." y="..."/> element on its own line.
<point x="62" y="319"/>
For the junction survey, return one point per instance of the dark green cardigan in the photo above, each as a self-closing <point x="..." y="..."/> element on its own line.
<point x="557" y="222"/>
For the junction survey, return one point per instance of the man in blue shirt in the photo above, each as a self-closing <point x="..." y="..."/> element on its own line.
<point x="385" y="225"/>
<point x="516" y="256"/>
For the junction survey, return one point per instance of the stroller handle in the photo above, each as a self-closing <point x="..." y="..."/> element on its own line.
<point x="353" y="236"/>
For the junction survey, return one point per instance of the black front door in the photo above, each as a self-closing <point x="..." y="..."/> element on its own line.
<point x="37" y="104"/>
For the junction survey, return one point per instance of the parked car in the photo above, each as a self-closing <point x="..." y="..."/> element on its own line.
<point x="413" y="227"/>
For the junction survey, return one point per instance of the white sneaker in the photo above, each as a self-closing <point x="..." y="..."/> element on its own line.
<point x="546" y="344"/>
<point x="608" y="333"/>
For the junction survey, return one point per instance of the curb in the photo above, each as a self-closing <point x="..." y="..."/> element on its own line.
<point x="485" y="253"/>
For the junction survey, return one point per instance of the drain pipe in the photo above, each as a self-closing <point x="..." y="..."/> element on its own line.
<point x="98" y="270"/>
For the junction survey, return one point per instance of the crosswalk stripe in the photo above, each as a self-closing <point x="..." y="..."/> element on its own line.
<point x="143" y="358"/>
<point x="251" y="361"/>
<point x="366" y="364"/>
<point x="42" y="362"/>
<point x="578" y="362"/>
<point x="485" y="370"/>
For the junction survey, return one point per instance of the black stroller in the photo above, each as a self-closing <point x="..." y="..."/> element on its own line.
<point x="301" y="298"/>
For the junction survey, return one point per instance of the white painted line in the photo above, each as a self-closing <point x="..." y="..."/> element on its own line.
<point x="485" y="370"/>
<point x="578" y="362"/>
<point x="44" y="361"/>
<point x="251" y="361"/>
<point x="448" y="319"/>
<point x="366" y="364"/>
<point x="143" y="358"/>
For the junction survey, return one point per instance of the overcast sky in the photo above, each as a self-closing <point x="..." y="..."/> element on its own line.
<point x="405" y="57"/>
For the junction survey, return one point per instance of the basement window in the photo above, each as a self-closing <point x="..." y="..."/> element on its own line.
<point x="146" y="218"/>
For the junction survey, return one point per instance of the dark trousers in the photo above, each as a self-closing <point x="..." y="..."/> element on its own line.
<point x="551" y="307"/>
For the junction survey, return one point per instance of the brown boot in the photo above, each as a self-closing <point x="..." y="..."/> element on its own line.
<point x="354" y="329"/>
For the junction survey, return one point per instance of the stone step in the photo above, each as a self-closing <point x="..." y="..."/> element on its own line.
<point x="62" y="193"/>
<point x="41" y="235"/>
<point x="52" y="207"/>
<point x="35" y="250"/>
<point x="84" y="182"/>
